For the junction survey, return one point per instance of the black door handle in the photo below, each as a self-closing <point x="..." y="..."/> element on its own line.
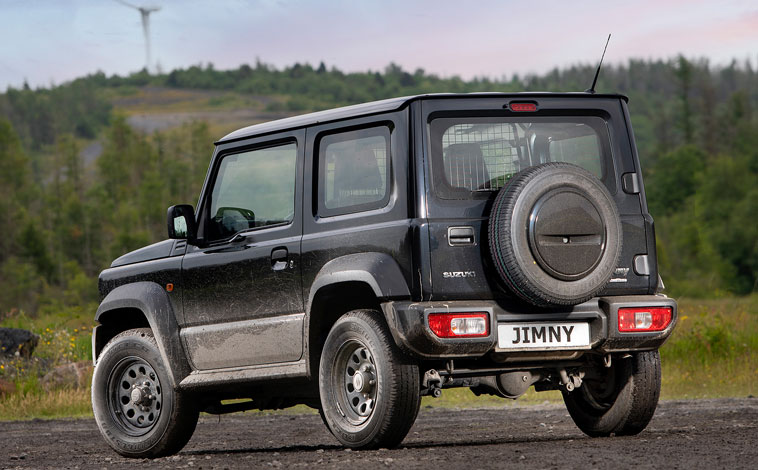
<point x="458" y="236"/>
<point x="279" y="259"/>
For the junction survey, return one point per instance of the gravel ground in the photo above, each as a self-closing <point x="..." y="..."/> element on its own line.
<point x="719" y="433"/>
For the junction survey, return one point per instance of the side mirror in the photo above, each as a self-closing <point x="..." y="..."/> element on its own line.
<point x="181" y="222"/>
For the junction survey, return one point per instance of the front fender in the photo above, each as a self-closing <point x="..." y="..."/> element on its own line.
<point x="153" y="301"/>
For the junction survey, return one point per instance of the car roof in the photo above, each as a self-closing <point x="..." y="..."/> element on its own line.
<point x="381" y="106"/>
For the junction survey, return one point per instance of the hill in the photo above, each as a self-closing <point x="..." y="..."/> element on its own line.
<point x="88" y="167"/>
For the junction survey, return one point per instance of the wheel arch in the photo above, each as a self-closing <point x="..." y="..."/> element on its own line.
<point x="138" y="305"/>
<point x="350" y="282"/>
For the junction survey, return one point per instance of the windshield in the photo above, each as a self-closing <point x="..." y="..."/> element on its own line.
<point x="478" y="155"/>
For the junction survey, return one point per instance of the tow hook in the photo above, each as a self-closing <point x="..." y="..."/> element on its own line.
<point x="571" y="381"/>
<point x="432" y="383"/>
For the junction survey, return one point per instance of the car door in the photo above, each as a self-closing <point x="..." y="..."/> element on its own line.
<point x="242" y="293"/>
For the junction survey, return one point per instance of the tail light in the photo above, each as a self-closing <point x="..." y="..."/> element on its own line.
<point x="459" y="325"/>
<point x="644" y="319"/>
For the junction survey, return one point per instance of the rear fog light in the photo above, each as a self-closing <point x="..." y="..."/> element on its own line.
<point x="644" y="319"/>
<point x="459" y="325"/>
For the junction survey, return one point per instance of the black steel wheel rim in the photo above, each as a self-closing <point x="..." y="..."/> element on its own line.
<point x="355" y="382"/>
<point x="135" y="396"/>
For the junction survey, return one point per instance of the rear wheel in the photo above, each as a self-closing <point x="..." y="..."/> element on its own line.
<point x="369" y="389"/>
<point x="138" y="412"/>
<point x="619" y="400"/>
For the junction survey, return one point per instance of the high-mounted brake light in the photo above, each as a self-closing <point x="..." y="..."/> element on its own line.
<point x="644" y="319"/>
<point x="459" y="325"/>
<point x="523" y="107"/>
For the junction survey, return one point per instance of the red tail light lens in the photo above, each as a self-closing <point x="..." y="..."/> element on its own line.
<point x="459" y="325"/>
<point x="644" y="319"/>
<point x="523" y="107"/>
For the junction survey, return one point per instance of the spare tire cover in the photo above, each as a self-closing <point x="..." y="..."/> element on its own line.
<point x="555" y="235"/>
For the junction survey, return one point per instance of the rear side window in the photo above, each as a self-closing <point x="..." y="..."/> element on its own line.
<point x="354" y="169"/>
<point x="477" y="156"/>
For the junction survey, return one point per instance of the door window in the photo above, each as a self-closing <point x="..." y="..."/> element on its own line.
<point x="253" y="189"/>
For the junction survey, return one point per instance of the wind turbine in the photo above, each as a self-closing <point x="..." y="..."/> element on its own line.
<point x="145" y="13"/>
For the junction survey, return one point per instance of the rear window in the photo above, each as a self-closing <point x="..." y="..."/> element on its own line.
<point x="476" y="156"/>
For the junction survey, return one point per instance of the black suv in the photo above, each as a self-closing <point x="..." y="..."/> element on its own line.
<point x="354" y="260"/>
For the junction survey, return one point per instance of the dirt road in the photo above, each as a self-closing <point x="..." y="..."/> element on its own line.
<point x="683" y="434"/>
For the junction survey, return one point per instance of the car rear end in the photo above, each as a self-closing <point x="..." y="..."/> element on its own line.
<point x="476" y="323"/>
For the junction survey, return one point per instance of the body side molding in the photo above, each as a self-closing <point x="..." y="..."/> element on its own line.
<point x="199" y="380"/>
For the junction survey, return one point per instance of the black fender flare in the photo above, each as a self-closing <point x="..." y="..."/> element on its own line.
<point x="379" y="271"/>
<point x="152" y="300"/>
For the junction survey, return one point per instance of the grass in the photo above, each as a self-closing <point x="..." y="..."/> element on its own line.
<point x="39" y="404"/>
<point x="64" y="337"/>
<point x="148" y="100"/>
<point x="465" y="398"/>
<point x="712" y="353"/>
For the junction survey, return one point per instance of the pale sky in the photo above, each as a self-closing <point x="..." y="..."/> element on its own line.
<point x="52" y="41"/>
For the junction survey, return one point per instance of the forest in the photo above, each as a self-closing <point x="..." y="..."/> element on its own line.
<point x="64" y="218"/>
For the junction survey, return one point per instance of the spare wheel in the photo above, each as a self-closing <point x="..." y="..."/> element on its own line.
<point x="555" y="235"/>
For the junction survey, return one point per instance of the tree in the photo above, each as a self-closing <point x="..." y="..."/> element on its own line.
<point x="673" y="179"/>
<point x="684" y="74"/>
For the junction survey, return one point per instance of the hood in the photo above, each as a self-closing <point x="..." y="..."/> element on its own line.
<point x="154" y="251"/>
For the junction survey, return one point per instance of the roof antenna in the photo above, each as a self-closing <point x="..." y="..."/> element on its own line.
<point x="594" y="82"/>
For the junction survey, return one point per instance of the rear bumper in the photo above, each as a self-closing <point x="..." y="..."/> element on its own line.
<point x="408" y="323"/>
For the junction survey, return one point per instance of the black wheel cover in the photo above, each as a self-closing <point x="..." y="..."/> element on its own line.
<point x="555" y="235"/>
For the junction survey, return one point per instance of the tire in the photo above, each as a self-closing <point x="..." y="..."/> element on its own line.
<point x="138" y="412"/>
<point x="621" y="401"/>
<point x="377" y="409"/>
<point x="555" y="235"/>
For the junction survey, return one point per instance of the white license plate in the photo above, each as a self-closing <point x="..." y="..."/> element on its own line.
<point x="543" y="335"/>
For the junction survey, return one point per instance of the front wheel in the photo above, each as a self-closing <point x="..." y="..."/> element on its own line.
<point x="138" y="412"/>
<point x="618" y="400"/>
<point x="369" y="389"/>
